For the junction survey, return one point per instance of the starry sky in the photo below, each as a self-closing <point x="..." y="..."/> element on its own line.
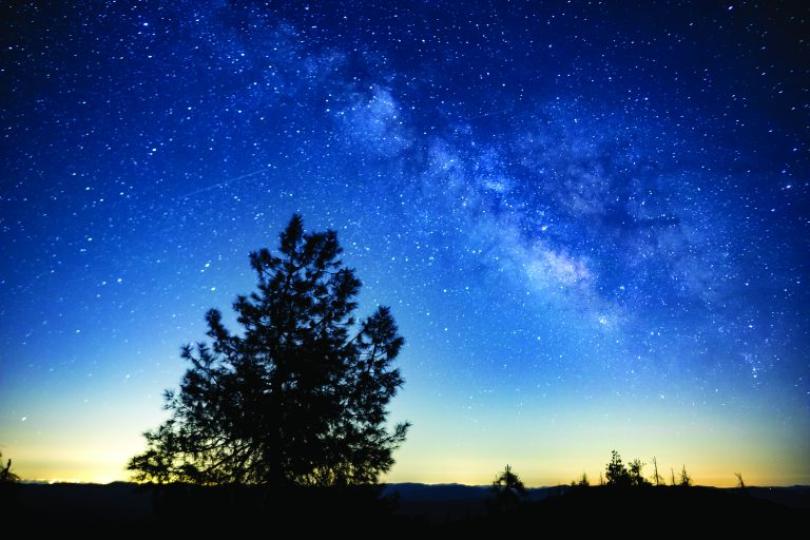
<point x="591" y="220"/>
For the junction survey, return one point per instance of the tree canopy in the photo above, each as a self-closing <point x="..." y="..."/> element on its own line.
<point x="299" y="396"/>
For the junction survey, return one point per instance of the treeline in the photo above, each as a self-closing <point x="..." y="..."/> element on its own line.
<point x="619" y="474"/>
<point x="508" y="489"/>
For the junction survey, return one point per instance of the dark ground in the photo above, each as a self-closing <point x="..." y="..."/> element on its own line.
<point x="403" y="509"/>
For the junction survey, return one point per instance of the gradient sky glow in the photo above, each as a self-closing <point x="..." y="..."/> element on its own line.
<point x="591" y="220"/>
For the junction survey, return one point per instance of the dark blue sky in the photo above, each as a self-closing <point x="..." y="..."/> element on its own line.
<point x="591" y="219"/>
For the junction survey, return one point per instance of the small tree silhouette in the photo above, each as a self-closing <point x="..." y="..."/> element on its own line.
<point x="636" y="478"/>
<point x="507" y="490"/>
<point x="294" y="398"/>
<point x="616" y="473"/>
<point x="685" y="480"/>
<point x="740" y="481"/>
<point x="581" y="482"/>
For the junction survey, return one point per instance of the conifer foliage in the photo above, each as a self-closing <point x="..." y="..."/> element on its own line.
<point x="299" y="396"/>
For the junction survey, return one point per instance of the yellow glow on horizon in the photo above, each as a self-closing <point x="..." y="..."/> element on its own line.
<point x="549" y="444"/>
<point x="707" y="463"/>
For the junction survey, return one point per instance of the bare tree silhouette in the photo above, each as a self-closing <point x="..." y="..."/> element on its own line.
<point x="656" y="477"/>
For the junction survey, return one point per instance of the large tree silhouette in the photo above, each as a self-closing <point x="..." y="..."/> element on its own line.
<point x="299" y="396"/>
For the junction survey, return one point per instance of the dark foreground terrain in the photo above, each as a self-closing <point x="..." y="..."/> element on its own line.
<point x="400" y="509"/>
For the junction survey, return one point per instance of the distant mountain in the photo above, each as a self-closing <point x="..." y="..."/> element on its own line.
<point x="457" y="507"/>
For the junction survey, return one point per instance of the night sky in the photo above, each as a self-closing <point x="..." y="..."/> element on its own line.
<point x="591" y="220"/>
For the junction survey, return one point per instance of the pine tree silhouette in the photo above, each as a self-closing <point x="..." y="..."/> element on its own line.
<point x="508" y="490"/>
<point x="616" y="473"/>
<point x="299" y="396"/>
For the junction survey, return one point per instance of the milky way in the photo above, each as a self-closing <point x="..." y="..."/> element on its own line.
<point x="591" y="222"/>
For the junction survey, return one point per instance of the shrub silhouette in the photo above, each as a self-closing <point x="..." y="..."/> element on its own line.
<point x="6" y="476"/>
<point x="299" y="397"/>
